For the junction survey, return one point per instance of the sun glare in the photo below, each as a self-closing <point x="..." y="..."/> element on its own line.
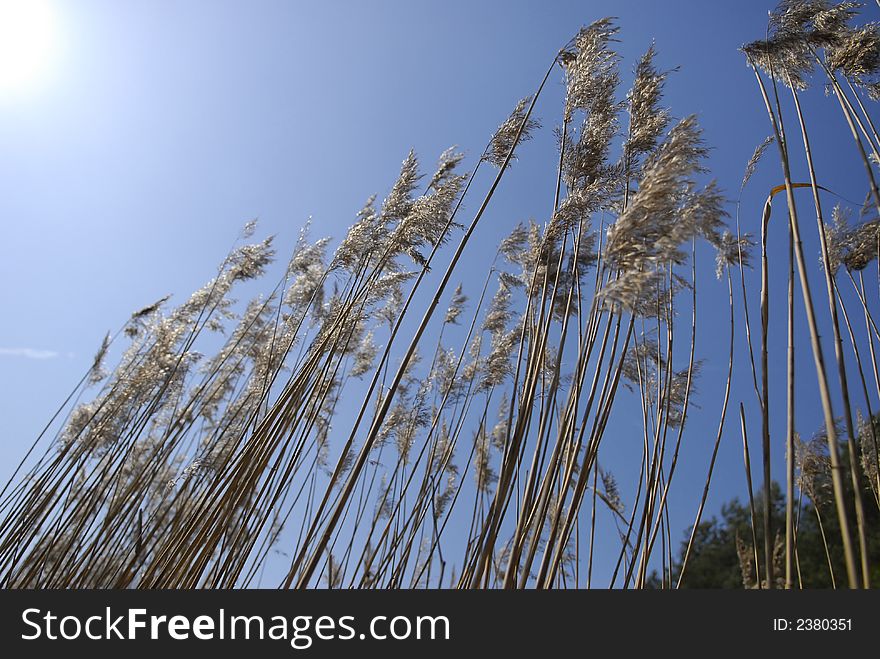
<point x="27" y="40"/>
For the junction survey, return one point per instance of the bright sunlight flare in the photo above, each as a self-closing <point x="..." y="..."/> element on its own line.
<point x="27" y="39"/>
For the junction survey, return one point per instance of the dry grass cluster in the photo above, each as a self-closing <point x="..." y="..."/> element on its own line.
<point x="370" y="429"/>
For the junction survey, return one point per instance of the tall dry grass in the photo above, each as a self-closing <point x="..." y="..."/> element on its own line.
<point x="370" y="423"/>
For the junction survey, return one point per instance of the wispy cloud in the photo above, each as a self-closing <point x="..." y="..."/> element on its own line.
<point x="28" y="353"/>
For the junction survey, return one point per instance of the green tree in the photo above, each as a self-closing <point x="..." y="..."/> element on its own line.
<point x="723" y="553"/>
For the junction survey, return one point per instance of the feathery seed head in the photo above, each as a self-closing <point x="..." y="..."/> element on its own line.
<point x="399" y="201"/>
<point x="797" y="29"/>
<point x="97" y="371"/>
<point x="456" y="306"/>
<point x="135" y="322"/>
<point x="648" y="120"/>
<point x="364" y="355"/>
<point x="857" y="53"/>
<point x="590" y="65"/>
<point x="854" y="247"/>
<point x="249" y="229"/>
<point x="484" y="474"/>
<point x="497" y="366"/>
<point x="250" y="261"/>
<point x="752" y="165"/>
<point x="499" y="312"/>
<point x="813" y="467"/>
<point x="515" y="130"/>
<point x="864" y="245"/>
<point x="449" y="160"/>
<point x="666" y="211"/>
<point x="499" y="432"/>
<point x="732" y="251"/>
<point x="515" y="244"/>
<point x="611" y="491"/>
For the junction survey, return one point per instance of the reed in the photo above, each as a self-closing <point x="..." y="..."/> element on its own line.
<point x="363" y="424"/>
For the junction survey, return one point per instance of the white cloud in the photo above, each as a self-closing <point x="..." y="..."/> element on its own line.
<point x="29" y="353"/>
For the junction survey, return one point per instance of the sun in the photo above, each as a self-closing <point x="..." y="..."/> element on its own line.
<point x="27" y="42"/>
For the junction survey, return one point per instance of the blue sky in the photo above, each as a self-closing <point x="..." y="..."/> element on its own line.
<point x="161" y="127"/>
